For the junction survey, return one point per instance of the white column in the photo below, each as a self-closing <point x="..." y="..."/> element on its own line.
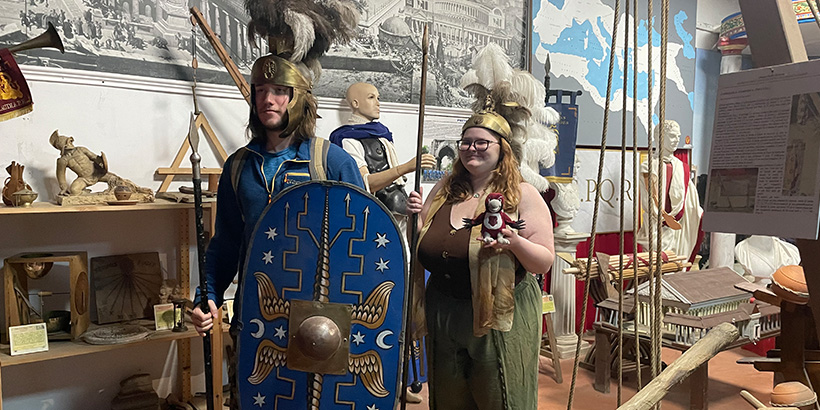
<point x="562" y="288"/>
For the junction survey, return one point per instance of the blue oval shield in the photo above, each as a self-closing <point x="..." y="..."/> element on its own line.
<point x="323" y="298"/>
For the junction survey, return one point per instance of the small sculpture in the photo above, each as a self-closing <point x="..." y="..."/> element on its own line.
<point x="90" y="169"/>
<point x="14" y="183"/>
<point x="493" y="220"/>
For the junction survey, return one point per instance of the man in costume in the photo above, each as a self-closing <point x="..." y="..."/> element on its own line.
<point x="370" y="143"/>
<point x="283" y="150"/>
<point x="681" y="210"/>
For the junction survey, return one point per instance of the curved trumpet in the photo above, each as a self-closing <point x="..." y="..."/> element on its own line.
<point x="48" y="39"/>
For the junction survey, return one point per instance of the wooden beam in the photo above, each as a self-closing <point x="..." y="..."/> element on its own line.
<point x="719" y="337"/>
<point x="774" y="36"/>
<point x="187" y="171"/>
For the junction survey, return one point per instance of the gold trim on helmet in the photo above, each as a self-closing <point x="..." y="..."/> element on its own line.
<point x="491" y="121"/>
<point x="272" y="69"/>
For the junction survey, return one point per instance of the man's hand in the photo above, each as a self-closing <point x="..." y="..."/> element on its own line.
<point x="203" y="322"/>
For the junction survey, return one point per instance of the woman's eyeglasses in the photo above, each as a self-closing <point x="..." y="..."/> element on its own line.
<point x="480" y="145"/>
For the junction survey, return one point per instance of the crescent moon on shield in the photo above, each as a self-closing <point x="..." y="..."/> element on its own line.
<point x="258" y="334"/>
<point x="380" y="339"/>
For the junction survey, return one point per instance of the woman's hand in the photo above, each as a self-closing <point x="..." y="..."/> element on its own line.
<point x="203" y="322"/>
<point x="414" y="203"/>
<point x="510" y="241"/>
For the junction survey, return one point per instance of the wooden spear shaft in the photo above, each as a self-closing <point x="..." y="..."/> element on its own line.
<point x="719" y="337"/>
<point x="414" y="221"/>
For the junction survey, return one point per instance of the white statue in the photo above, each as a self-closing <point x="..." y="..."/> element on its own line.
<point x="678" y="199"/>
<point x="761" y="255"/>
<point x="567" y="202"/>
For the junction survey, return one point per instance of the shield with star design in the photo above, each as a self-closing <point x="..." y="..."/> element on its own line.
<point x="323" y="295"/>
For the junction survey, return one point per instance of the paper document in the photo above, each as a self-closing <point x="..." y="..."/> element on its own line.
<point x="763" y="170"/>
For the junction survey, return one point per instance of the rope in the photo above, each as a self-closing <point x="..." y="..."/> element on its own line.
<point x="580" y="329"/>
<point x="622" y="203"/>
<point x="651" y="233"/>
<point x="656" y="325"/>
<point x="635" y="176"/>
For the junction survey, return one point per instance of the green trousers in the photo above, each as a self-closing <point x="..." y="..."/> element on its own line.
<point x="495" y="371"/>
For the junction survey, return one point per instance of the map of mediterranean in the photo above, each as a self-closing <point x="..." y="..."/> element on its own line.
<point x="577" y="34"/>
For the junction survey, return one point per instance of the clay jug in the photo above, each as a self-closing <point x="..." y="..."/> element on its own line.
<point x="14" y="183"/>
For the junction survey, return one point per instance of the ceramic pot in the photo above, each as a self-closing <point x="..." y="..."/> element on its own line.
<point x="793" y="394"/>
<point x="789" y="282"/>
<point x="23" y="197"/>
<point x="122" y="193"/>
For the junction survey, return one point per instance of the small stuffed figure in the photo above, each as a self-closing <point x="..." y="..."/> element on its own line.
<point x="493" y="220"/>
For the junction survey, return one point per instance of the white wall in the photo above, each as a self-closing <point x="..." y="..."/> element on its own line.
<point x="140" y="124"/>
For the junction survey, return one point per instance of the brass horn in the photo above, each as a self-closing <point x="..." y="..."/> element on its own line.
<point x="48" y="39"/>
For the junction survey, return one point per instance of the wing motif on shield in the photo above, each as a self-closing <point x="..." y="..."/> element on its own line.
<point x="368" y="366"/>
<point x="371" y="313"/>
<point x="268" y="356"/>
<point x="270" y="305"/>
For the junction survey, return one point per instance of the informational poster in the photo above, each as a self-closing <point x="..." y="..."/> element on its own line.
<point x="764" y="177"/>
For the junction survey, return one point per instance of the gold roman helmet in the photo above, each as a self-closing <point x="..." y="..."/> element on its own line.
<point x="272" y="69"/>
<point x="489" y="119"/>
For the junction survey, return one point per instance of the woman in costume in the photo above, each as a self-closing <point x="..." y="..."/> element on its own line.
<point x="481" y="307"/>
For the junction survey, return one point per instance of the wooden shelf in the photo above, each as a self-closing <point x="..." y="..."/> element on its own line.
<point x="52" y="208"/>
<point x="63" y="349"/>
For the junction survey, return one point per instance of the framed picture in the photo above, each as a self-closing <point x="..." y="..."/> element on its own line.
<point x="154" y="39"/>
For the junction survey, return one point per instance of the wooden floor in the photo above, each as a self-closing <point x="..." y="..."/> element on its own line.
<point x="726" y="380"/>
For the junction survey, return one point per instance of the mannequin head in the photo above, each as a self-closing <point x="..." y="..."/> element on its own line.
<point x="671" y="136"/>
<point x="363" y="99"/>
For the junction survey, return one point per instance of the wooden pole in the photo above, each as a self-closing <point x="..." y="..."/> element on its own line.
<point x="414" y="223"/>
<point x="719" y="337"/>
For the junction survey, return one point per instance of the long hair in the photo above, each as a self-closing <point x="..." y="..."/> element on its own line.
<point x="256" y="132"/>
<point x="506" y="179"/>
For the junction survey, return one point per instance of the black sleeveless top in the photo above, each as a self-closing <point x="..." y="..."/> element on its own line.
<point x="444" y="252"/>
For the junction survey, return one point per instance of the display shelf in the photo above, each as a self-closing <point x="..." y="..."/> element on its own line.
<point x="52" y="208"/>
<point x="63" y="349"/>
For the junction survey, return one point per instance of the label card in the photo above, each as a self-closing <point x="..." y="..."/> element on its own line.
<point x="164" y="316"/>
<point x="28" y="339"/>
<point x="547" y="304"/>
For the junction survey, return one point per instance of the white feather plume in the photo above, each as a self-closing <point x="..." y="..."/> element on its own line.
<point x="492" y="66"/>
<point x="469" y="78"/>
<point x="532" y="139"/>
<point x="303" y="34"/>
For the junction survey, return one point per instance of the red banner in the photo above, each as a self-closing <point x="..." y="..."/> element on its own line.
<point x="15" y="97"/>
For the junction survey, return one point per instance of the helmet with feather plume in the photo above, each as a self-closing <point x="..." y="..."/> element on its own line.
<point x="299" y="32"/>
<point x="510" y="102"/>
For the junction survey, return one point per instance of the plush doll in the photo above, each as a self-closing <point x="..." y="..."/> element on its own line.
<point x="493" y="220"/>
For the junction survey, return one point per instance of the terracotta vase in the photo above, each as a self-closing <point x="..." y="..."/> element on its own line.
<point x="14" y="183"/>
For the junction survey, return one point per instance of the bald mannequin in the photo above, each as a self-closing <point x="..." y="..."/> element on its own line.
<point x="363" y="99"/>
<point x="371" y="144"/>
